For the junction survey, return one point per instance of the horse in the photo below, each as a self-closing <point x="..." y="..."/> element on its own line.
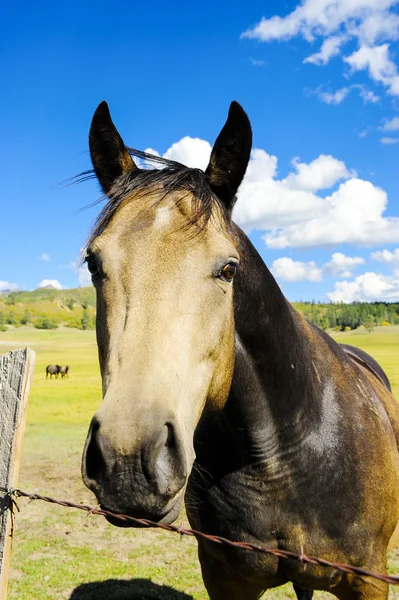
<point x="64" y="371"/>
<point x="217" y="391"/>
<point x="52" y="370"/>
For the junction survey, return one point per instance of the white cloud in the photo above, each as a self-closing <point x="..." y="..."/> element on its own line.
<point x="377" y="61"/>
<point x="341" y="265"/>
<point x="333" y="97"/>
<point x="315" y="18"/>
<point x="392" y="125"/>
<point x="336" y="22"/>
<point x="329" y="48"/>
<point x="339" y="95"/>
<point x="367" y="95"/>
<point x="388" y="258"/>
<point x="50" y="283"/>
<point x="255" y="62"/>
<point x="265" y="202"/>
<point x="351" y="215"/>
<point x="192" y="152"/>
<point x="389" y="140"/>
<point x="322" y="173"/>
<point x="45" y="257"/>
<point x="379" y="26"/>
<point x="6" y="286"/>
<point x="287" y="269"/>
<point x="275" y="28"/>
<point x="368" y="287"/>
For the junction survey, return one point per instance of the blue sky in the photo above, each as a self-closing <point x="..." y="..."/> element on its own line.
<point x="319" y="81"/>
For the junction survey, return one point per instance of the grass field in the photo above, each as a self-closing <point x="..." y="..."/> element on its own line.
<point x="63" y="554"/>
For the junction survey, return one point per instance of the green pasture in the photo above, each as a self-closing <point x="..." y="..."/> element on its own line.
<point x="62" y="553"/>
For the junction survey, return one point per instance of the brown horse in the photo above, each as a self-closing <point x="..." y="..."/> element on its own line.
<point x="217" y="390"/>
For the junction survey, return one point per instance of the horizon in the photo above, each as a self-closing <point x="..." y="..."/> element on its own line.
<point x="51" y="287"/>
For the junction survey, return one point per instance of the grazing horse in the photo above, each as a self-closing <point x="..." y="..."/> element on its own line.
<point x="52" y="370"/>
<point x="216" y="390"/>
<point x="64" y="371"/>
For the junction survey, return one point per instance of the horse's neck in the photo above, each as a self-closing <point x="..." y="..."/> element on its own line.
<point x="273" y="398"/>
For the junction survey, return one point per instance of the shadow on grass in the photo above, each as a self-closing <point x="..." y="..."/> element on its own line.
<point x="119" y="589"/>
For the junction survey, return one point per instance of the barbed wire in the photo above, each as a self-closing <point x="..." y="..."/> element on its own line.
<point x="11" y="495"/>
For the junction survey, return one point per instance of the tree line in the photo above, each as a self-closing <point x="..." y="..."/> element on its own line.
<point x="343" y="317"/>
<point x="49" y="308"/>
<point x="85" y="321"/>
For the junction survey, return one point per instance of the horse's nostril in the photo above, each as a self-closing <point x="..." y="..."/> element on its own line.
<point x="163" y="465"/>
<point x="94" y="462"/>
<point x="171" y="439"/>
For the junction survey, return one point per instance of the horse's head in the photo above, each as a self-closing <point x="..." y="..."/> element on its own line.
<point x="163" y="259"/>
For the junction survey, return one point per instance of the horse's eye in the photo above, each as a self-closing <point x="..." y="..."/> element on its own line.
<point x="92" y="263"/>
<point x="228" y="272"/>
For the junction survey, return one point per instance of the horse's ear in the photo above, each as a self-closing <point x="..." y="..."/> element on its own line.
<point x="109" y="154"/>
<point x="230" y="156"/>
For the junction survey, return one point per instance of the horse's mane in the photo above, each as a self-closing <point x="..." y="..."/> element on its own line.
<point x="168" y="175"/>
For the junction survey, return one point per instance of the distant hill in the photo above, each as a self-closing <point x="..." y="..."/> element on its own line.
<point x="46" y="308"/>
<point x="78" y="295"/>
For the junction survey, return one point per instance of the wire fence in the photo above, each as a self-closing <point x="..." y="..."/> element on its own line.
<point x="9" y="502"/>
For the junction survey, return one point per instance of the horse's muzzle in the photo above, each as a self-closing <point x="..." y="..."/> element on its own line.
<point x="147" y="482"/>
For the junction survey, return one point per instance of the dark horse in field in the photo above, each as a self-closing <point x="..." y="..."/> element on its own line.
<point x="52" y="370"/>
<point x="216" y="390"/>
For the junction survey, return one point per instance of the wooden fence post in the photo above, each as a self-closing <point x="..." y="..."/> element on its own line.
<point x="16" y="369"/>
